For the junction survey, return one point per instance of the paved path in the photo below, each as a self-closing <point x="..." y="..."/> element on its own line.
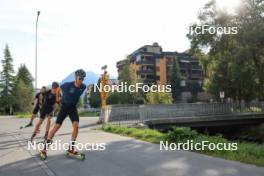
<point x="123" y="156"/>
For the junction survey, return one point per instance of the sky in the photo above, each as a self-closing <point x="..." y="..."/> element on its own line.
<point x="88" y="34"/>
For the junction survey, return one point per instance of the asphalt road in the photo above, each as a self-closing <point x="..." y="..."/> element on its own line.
<point x="122" y="156"/>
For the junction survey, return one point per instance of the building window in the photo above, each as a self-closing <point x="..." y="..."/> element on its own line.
<point x="196" y="72"/>
<point x="183" y="71"/>
<point x="138" y="58"/>
<point x="183" y="83"/>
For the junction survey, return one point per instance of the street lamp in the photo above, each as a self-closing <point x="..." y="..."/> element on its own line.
<point x="36" y="53"/>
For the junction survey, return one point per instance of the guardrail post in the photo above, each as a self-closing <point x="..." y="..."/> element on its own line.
<point x="141" y="113"/>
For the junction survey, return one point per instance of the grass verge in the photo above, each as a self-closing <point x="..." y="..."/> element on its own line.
<point x="89" y="114"/>
<point x="23" y="115"/>
<point x="246" y="152"/>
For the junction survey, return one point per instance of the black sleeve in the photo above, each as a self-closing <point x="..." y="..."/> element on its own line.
<point x="37" y="95"/>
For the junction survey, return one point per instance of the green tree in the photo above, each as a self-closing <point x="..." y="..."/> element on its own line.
<point x="80" y="103"/>
<point x="175" y="80"/>
<point x="23" y="89"/>
<point x="95" y="96"/>
<point x="234" y="63"/>
<point x="159" y="98"/>
<point x="23" y="95"/>
<point x="128" y="75"/>
<point x="114" y="98"/>
<point x="24" y="75"/>
<point x="85" y="99"/>
<point x="7" y="83"/>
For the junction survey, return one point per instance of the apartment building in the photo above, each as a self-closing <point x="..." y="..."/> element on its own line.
<point x="154" y="66"/>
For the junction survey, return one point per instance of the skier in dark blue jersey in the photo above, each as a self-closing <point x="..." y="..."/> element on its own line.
<point x="71" y="92"/>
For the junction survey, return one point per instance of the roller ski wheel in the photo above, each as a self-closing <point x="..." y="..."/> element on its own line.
<point x="76" y="155"/>
<point x="43" y="155"/>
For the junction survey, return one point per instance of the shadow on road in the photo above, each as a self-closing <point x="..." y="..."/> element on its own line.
<point x="130" y="158"/>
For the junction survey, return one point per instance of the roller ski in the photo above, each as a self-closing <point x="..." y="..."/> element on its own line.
<point x="43" y="155"/>
<point x="75" y="154"/>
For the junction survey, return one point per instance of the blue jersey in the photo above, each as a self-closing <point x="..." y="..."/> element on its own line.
<point x="71" y="93"/>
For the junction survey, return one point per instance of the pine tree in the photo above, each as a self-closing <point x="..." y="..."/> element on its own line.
<point x="7" y="82"/>
<point x="175" y="80"/>
<point x="24" y="75"/>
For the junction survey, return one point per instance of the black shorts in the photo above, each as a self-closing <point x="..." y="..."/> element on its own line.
<point x="46" y="111"/>
<point x="65" y="111"/>
<point x="36" y="109"/>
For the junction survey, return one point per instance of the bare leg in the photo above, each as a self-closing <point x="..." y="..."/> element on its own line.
<point x="75" y="129"/>
<point x="47" y="127"/>
<point x="32" y="118"/>
<point x="37" y="128"/>
<point x="50" y="136"/>
<point x="54" y="130"/>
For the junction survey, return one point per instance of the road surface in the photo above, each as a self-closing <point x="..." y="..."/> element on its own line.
<point x="123" y="156"/>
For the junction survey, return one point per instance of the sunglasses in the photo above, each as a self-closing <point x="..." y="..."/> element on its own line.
<point x="80" y="79"/>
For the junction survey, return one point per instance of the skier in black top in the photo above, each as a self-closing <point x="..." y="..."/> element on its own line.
<point x="40" y="100"/>
<point x="51" y="98"/>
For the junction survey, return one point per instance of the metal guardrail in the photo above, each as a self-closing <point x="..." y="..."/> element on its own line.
<point x="128" y="114"/>
<point x="132" y="114"/>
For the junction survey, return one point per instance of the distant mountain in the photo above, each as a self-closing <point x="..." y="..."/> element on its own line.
<point x="90" y="78"/>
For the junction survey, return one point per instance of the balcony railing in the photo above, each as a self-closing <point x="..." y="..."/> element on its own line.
<point x="146" y="62"/>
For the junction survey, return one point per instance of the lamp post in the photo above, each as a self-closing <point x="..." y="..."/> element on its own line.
<point x="36" y="53"/>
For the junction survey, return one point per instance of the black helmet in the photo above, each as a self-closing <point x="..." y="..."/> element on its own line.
<point x="55" y="85"/>
<point x="80" y="73"/>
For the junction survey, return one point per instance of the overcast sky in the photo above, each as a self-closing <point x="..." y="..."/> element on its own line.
<point x="88" y="34"/>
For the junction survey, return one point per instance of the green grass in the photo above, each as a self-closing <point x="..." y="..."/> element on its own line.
<point x="246" y="152"/>
<point x="89" y="114"/>
<point x="23" y="115"/>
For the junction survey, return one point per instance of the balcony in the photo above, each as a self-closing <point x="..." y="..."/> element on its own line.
<point x="146" y="62"/>
<point x="195" y="76"/>
<point x="145" y="71"/>
<point x="149" y="81"/>
<point x="197" y="67"/>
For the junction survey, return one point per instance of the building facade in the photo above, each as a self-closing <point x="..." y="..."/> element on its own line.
<point x="154" y="66"/>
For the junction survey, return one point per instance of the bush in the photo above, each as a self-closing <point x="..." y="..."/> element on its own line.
<point x="159" y="98"/>
<point x="181" y="134"/>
